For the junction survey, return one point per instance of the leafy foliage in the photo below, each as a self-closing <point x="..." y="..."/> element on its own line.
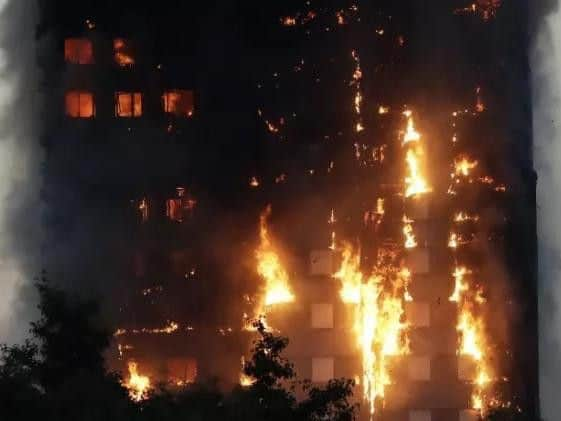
<point x="59" y="374"/>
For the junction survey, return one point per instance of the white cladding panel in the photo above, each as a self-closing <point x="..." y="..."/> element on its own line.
<point x="323" y="369"/>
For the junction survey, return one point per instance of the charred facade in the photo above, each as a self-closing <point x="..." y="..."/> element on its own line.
<point x="388" y="151"/>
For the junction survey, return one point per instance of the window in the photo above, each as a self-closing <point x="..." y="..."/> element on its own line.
<point x="418" y="260"/>
<point x="419" y="368"/>
<point x="179" y="103"/>
<point x="469" y="415"/>
<point x="78" y="51"/>
<point x="181" y="371"/>
<point x="143" y="209"/>
<point x="181" y="206"/>
<point x="123" y="52"/>
<point x="419" y="416"/>
<point x="128" y="104"/>
<point x="466" y="368"/>
<point x="322" y="369"/>
<point x="321" y="262"/>
<point x="80" y="104"/>
<point x="322" y="316"/>
<point x="418" y="314"/>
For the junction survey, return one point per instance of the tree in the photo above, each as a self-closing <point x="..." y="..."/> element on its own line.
<point x="272" y="395"/>
<point x="69" y="337"/>
<point x="59" y="374"/>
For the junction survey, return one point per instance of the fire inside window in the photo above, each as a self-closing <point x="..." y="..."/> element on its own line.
<point x="122" y="52"/>
<point x="80" y="104"/>
<point x="179" y="207"/>
<point x="78" y="51"/>
<point x="128" y="104"/>
<point x="179" y="103"/>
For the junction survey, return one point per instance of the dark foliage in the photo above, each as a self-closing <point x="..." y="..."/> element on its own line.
<point x="59" y="374"/>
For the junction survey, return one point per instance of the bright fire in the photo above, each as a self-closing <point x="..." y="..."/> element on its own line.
<point x="461" y="285"/>
<point x="415" y="183"/>
<point x="378" y="322"/>
<point x="463" y="166"/>
<point x="410" y="135"/>
<point x="410" y="240"/>
<point x="270" y="268"/>
<point x="137" y="384"/>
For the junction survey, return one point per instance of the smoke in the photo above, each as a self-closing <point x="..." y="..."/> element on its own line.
<point x="546" y="68"/>
<point x="20" y="155"/>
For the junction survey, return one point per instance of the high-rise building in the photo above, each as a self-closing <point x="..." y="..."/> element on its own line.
<point x="392" y="143"/>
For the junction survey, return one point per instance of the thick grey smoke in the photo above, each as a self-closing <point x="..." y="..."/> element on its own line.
<point x="20" y="157"/>
<point x="546" y="81"/>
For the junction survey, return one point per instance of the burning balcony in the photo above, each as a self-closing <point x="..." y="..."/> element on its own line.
<point x="78" y="51"/>
<point x="178" y="208"/>
<point x="122" y="52"/>
<point x="128" y="104"/>
<point x="80" y="104"/>
<point x="179" y="103"/>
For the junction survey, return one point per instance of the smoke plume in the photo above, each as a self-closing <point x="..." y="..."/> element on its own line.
<point x="546" y="68"/>
<point x="20" y="156"/>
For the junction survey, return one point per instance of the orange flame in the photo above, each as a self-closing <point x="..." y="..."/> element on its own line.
<point x="270" y="268"/>
<point x="137" y="384"/>
<point x="463" y="166"/>
<point x="377" y="323"/>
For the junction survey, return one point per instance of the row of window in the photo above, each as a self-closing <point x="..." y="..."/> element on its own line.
<point x="80" y="51"/>
<point x="178" y="102"/>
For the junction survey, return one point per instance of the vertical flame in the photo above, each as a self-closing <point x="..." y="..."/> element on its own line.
<point x="473" y="344"/>
<point x="377" y="323"/>
<point x="137" y="384"/>
<point x="410" y="240"/>
<point x="414" y="181"/>
<point x="270" y="268"/>
<point x="463" y="166"/>
<point x="461" y="285"/>
<point x="411" y="134"/>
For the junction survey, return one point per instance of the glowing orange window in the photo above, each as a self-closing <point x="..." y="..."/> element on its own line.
<point x="123" y="53"/>
<point x="181" y="371"/>
<point x="128" y="104"/>
<point x="179" y="103"/>
<point x="80" y="104"/>
<point x="78" y="51"/>
<point x="180" y="207"/>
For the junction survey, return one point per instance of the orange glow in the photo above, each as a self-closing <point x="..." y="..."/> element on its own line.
<point x="377" y="323"/>
<point x="137" y="384"/>
<point x="383" y="110"/>
<point x="178" y="208"/>
<point x="463" y="166"/>
<point x="144" y="210"/>
<point x="179" y="103"/>
<point x="415" y="183"/>
<point x="465" y="217"/>
<point x="80" y="104"/>
<point x="410" y="135"/>
<point x="254" y="182"/>
<point x="461" y="285"/>
<point x="453" y="240"/>
<point x="410" y="240"/>
<point x="128" y="104"/>
<point x="78" y="51"/>
<point x="122" y="52"/>
<point x="380" y="206"/>
<point x="181" y="371"/>
<point x="270" y="268"/>
<point x="288" y="21"/>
